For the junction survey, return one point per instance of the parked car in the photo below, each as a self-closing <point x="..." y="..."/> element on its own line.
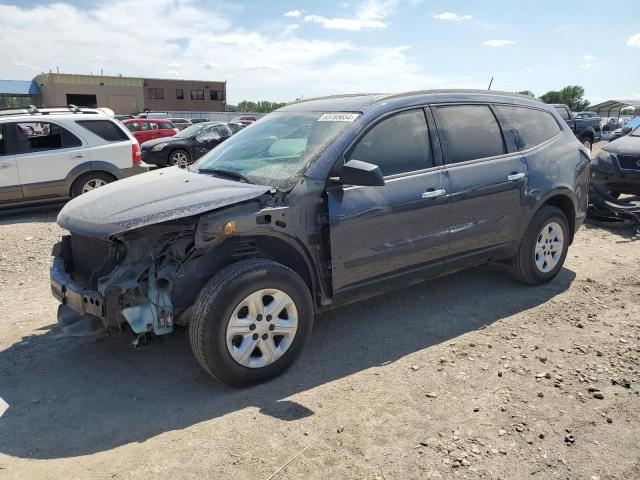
<point x="185" y="147"/>
<point x="245" y="119"/>
<point x="586" y="115"/>
<point x="617" y="165"/>
<point x="145" y="130"/>
<point x="625" y="129"/>
<point x="154" y="115"/>
<point x="124" y="117"/>
<point x="587" y="129"/>
<point x="180" y="123"/>
<point x="236" y="126"/>
<point x="320" y="203"/>
<point x="199" y="120"/>
<point x="52" y="154"/>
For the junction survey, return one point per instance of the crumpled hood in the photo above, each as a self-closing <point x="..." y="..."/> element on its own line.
<point x="626" y="145"/>
<point x="151" y="198"/>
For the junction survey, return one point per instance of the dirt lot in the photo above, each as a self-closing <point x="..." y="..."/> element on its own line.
<point x="469" y="376"/>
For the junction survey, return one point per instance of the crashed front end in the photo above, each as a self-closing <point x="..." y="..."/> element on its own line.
<point x="101" y="284"/>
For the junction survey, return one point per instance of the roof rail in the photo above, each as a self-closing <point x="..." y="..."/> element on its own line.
<point x="33" y="110"/>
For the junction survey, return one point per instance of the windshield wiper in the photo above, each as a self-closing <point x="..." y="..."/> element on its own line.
<point x="226" y="173"/>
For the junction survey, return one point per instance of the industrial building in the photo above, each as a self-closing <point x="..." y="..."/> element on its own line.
<point x="124" y="95"/>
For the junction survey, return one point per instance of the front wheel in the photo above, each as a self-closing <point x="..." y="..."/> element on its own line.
<point x="543" y="248"/>
<point x="250" y="322"/>
<point x="179" y="158"/>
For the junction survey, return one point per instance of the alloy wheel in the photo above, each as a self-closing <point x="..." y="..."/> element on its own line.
<point x="93" y="184"/>
<point x="549" y="246"/>
<point x="262" y="328"/>
<point x="180" y="159"/>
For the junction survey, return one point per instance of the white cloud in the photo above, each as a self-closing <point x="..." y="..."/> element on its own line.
<point x="634" y="40"/>
<point x="498" y="43"/>
<point x="370" y="15"/>
<point x="589" y="58"/>
<point x="450" y="16"/>
<point x="209" y="65"/>
<point x="586" y="65"/>
<point x="293" y="13"/>
<point x="350" y="24"/>
<point x="274" y="64"/>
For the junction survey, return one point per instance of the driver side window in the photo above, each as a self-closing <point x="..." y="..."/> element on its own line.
<point x="397" y="144"/>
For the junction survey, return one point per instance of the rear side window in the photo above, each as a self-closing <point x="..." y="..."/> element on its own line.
<point x="529" y="127"/>
<point x="105" y="129"/>
<point x="397" y="144"/>
<point x="563" y="113"/>
<point x="471" y="132"/>
<point x="149" y="126"/>
<point x="42" y="136"/>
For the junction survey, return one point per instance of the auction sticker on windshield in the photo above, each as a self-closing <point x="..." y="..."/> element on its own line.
<point x="338" y="117"/>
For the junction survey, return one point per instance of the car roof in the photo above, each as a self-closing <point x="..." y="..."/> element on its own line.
<point x="366" y="101"/>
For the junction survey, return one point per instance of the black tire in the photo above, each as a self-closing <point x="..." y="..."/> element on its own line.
<point x="172" y="160"/>
<point x="216" y="303"/>
<point x="523" y="266"/>
<point x="78" y="185"/>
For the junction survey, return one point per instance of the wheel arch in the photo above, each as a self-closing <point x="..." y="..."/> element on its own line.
<point x="565" y="202"/>
<point x="288" y="253"/>
<point x="71" y="182"/>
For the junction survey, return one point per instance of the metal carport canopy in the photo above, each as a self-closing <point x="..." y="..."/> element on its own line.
<point x="606" y="109"/>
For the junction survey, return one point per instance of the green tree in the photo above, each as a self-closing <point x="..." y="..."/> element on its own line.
<point x="258" y="107"/>
<point x="572" y="96"/>
<point x="528" y="93"/>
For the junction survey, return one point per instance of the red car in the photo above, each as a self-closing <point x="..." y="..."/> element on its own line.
<point x="148" y="129"/>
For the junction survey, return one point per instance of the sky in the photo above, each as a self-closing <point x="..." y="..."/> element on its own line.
<point x="282" y="50"/>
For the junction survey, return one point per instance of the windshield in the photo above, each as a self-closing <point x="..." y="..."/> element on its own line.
<point x="635" y="132"/>
<point x="190" y="131"/>
<point x="278" y="148"/>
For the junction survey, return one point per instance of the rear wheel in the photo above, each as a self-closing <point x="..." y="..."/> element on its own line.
<point x="90" y="181"/>
<point x="250" y="322"/>
<point x="543" y="248"/>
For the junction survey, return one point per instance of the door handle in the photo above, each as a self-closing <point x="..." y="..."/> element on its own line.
<point x="433" y="193"/>
<point x="515" y="176"/>
<point x="81" y="155"/>
<point x="5" y="165"/>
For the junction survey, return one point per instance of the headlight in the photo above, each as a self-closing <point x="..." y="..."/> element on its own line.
<point x="605" y="157"/>
<point x="604" y="163"/>
<point x="158" y="147"/>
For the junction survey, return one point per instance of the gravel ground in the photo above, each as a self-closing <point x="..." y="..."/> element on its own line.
<point x="468" y="376"/>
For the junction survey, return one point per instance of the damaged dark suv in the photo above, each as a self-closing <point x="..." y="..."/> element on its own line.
<point x="320" y="203"/>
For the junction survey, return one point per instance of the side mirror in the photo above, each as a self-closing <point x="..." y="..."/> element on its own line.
<point x="356" y="172"/>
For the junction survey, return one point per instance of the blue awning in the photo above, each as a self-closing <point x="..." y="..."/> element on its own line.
<point x="19" y="87"/>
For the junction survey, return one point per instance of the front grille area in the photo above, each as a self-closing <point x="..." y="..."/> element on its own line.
<point x="629" y="162"/>
<point x="92" y="258"/>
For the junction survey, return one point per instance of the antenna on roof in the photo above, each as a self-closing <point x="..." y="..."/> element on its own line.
<point x="490" y="83"/>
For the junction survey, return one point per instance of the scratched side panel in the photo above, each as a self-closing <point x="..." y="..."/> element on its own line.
<point x="378" y="230"/>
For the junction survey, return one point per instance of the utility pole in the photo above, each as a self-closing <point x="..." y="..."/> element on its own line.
<point x="490" y="83"/>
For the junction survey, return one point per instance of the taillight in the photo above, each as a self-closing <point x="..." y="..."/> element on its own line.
<point x="136" y="155"/>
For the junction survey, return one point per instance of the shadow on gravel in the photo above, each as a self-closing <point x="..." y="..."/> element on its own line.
<point x="29" y="215"/>
<point x="92" y="395"/>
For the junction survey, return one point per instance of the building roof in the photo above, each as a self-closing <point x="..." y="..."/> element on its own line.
<point x="18" y="87"/>
<point x="611" y="108"/>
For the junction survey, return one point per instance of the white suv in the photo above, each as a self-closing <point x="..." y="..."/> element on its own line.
<point x="51" y="154"/>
